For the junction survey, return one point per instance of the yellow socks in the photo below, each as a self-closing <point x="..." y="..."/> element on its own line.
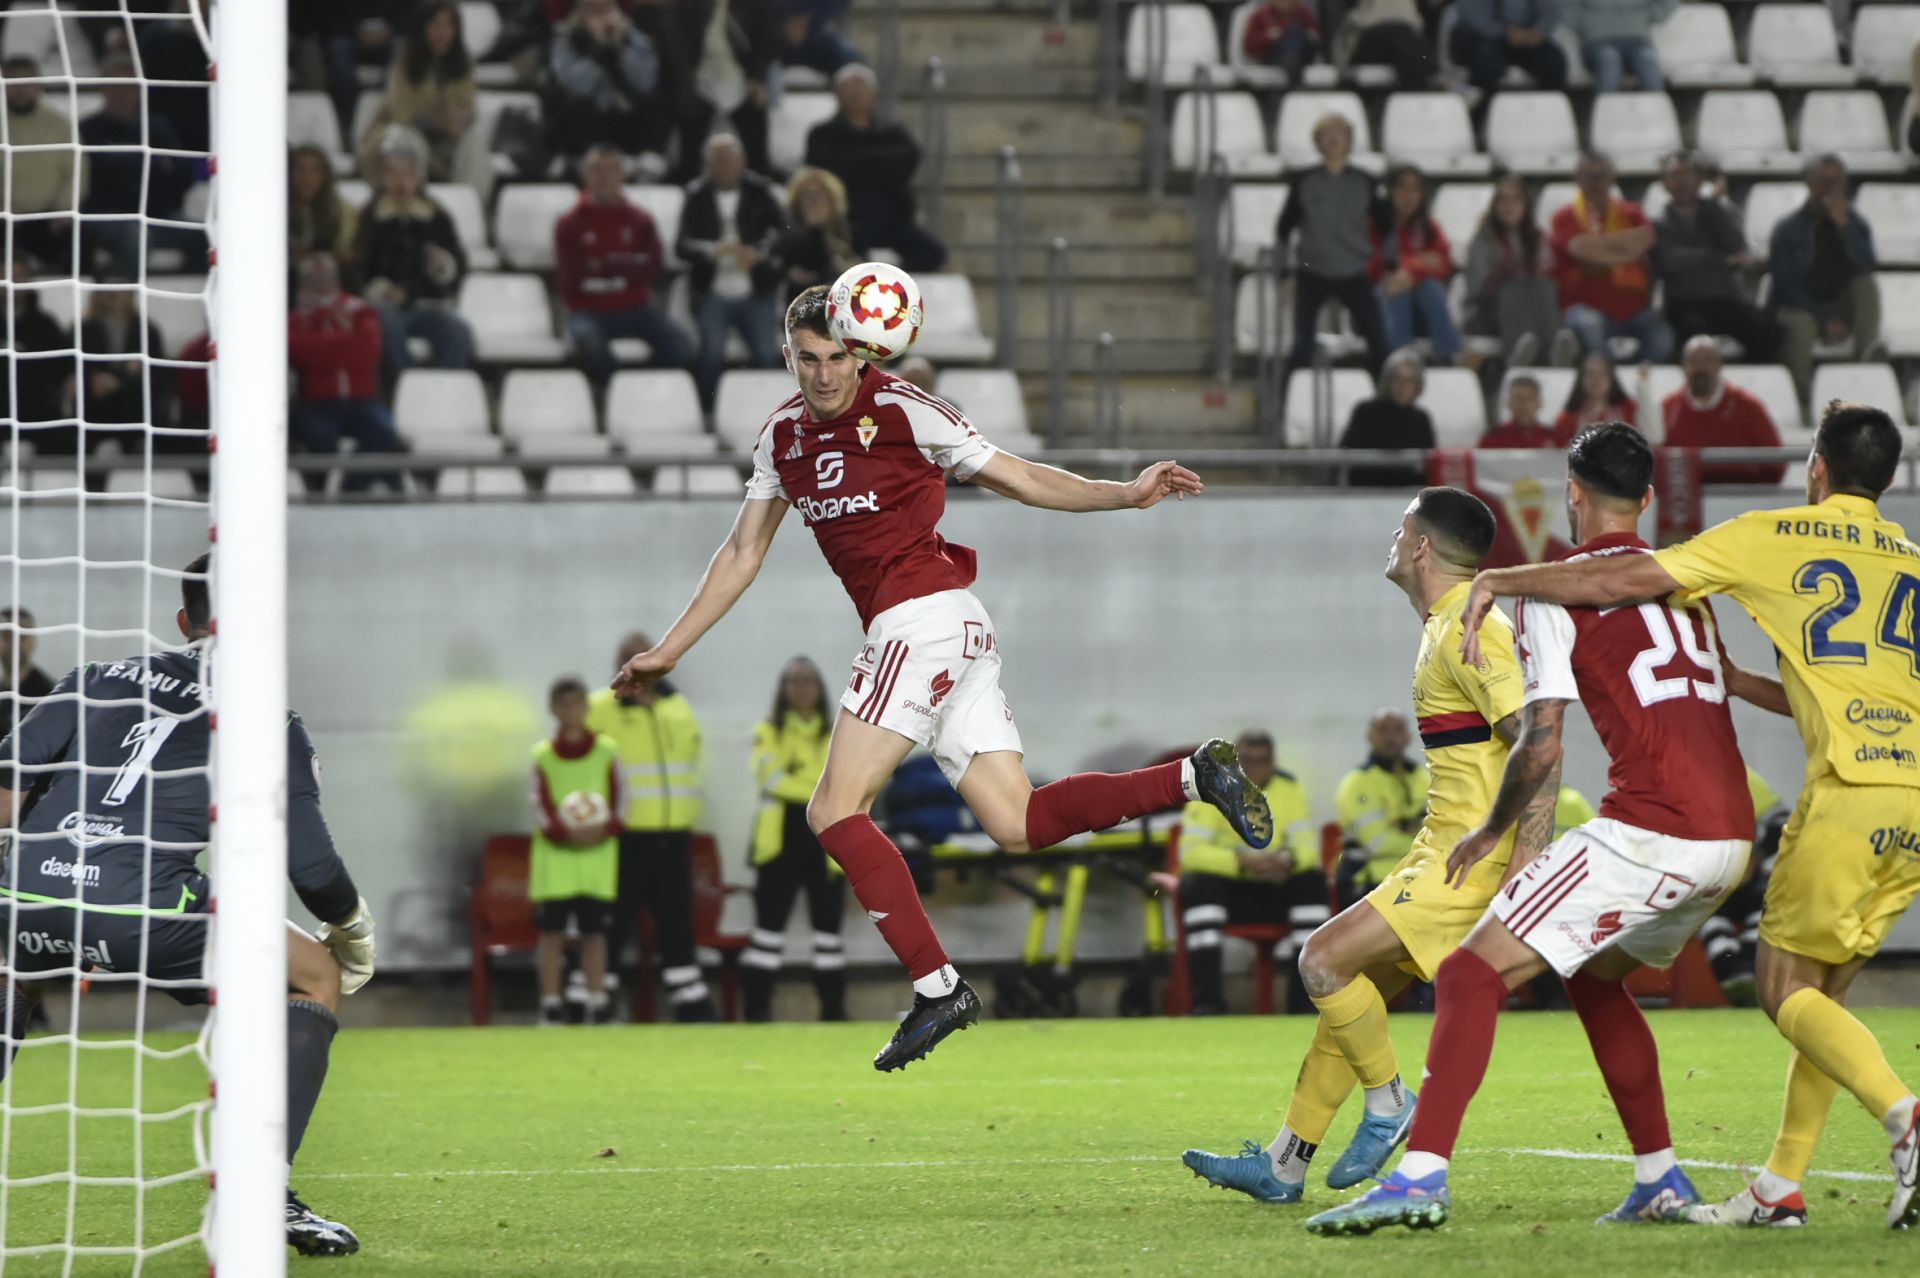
<point x="1840" y="1047"/>
<point x="1803" y="1117"/>
<point x="1325" y="1082"/>
<point x="1356" y="1017"/>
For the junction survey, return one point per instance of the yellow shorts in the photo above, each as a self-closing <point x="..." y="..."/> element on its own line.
<point x="1849" y="864"/>
<point x="1430" y="916"/>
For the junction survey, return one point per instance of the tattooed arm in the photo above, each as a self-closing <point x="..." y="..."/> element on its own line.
<point x="1529" y="791"/>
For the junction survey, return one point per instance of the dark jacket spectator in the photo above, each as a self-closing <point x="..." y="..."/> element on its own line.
<point x="716" y="62"/>
<point x="1331" y="206"/>
<point x="1711" y="412"/>
<point x="1284" y="34"/>
<point x="170" y="50"/>
<point x="42" y="381"/>
<point x="603" y="77"/>
<point x="1511" y="293"/>
<point x="818" y="242"/>
<point x="1822" y="261"/>
<point x="607" y="260"/>
<point x="727" y="231"/>
<point x="757" y="221"/>
<point x="1391" y="419"/>
<point x="811" y="29"/>
<point x="333" y="343"/>
<point x="409" y="254"/>
<point x="431" y="90"/>
<point x="1698" y="256"/>
<point x="22" y="684"/>
<point x="875" y="161"/>
<point x="1391" y="33"/>
<point x="126" y="158"/>
<point x="1492" y="35"/>
<point x="118" y="386"/>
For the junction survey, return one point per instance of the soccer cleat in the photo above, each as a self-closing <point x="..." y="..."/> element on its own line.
<point x="929" y="1021"/>
<point x="1904" y="1211"/>
<point x="311" y="1234"/>
<point x="1748" y="1208"/>
<point x="1417" y="1204"/>
<point x="1218" y="778"/>
<point x="1666" y="1199"/>
<point x="1250" y="1171"/>
<point x="1376" y="1138"/>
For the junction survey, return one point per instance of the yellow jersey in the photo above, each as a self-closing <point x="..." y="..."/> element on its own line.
<point x="1837" y="589"/>
<point x="1457" y="705"/>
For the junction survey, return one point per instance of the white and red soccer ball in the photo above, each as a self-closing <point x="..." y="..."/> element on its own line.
<point x="874" y="311"/>
<point x="585" y="812"/>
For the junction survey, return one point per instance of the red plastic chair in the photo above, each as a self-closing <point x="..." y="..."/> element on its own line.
<point x="1263" y="936"/>
<point x="710" y="893"/>
<point x="499" y="916"/>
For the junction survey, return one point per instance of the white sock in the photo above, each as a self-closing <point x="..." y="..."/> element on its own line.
<point x="1648" y="1168"/>
<point x="1290" y="1156"/>
<point x="1387" y="1099"/>
<point x="938" y="984"/>
<point x="1899" y="1118"/>
<point x="550" y="1000"/>
<point x="1772" y="1187"/>
<point x="1187" y="784"/>
<point x="598" y="1000"/>
<point x="1417" y="1164"/>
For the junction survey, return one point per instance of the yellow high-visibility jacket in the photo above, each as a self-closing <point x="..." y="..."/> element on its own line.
<point x="1210" y="845"/>
<point x="787" y="762"/>
<point x="659" y="747"/>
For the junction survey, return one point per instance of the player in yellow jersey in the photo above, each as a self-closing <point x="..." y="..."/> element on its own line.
<point x="1469" y="716"/>
<point x="1837" y="589"/>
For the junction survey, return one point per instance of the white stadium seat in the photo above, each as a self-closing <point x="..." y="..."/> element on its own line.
<point x="1190" y="42"/>
<point x="1892" y="209"/>
<point x="536" y="404"/>
<point x="1238" y="133"/>
<point x="1696" y="49"/>
<point x="990" y="398"/>
<point x="1773" y="386"/>
<point x="523" y="222"/>
<point x="698" y="481"/>
<point x="950" y="328"/>
<point x="1533" y="132"/>
<point x="479" y="27"/>
<point x="1255" y="211"/>
<point x="462" y="204"/>
<point x="793" y="117"/>
<point x="311" y="121"/>
<point x="657" y="410"/>
<point x="1767" y="203"/>
<point x="1884" y="36"/>
<point x="441" y="402"/>
<point x="1246" y="317"/>
<point x="1351" y="386"/>
<point x="1301" y="110"/>
<point x="1795" y="44"/>
<point x="663" y="204"/>
<point x="1745" y="129"/>
<point x="1459" y="207"/>
<point x="1873" y="384"/>
<point x="1853" y="123"/>
<point x="1637" y="129"/>
<point x="590" y="481"/>
<point x="1452" y="398"/>
<point x="481" y="481"/>
<point x="746" y="398"/>
<point x="1654" y="201"/>
<point x="1433" y="131"/>
<point x="1900" y="312"/>
<point x="511" y="319"/>
<point x="29" y="32"/>
<point x="455" y="443"/>
<point x="1255" y="75"/>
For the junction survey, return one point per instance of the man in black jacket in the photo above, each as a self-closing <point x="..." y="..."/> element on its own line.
<point x="875" y="162"/>
<point x="1699" y="255"/>
<point x="730" y="220"/>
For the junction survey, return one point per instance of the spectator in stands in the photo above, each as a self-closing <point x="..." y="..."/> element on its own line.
<point x="22" y="683"/>
<point x="1410" y="266"/>
<point x="174" y="63"/>
<point x="818" y="242"/>
<point x="1822" y="261"/>
<point x="318" y="220"/>
<point x="1616" y="36"/>
<point x="1711" y="412"/>
<point x="1391" y="419"/>
<point x="1699" y="255"/>
<point x="1491" y="35"/>
<point x="1597" y="396"/>
<point x="410" y="257"/>
<point x="331" y="39"/>
<point x="38" y="387"/>
<point x="813" y="38"/>
<point x="42" y="180"/>
<point x="1524" y="427"/>
<point x="128" y="173"/>
<point x="1382" y="804"/>
<point x="1283" y="34"/>
<point x="603" y="76"/>
<point x="875" y="161"/>
<point x="789" y="753"/>
<point x="607" y="261"/>
<point x="719" y="59"/>
<point x="333" y="343"/>
<point x="727" y="232"/>
<point x="574" y="872"/>
<point x="118" y="384"/>
<point x="1391" y="33"/>
<point x="1601" y="244"/>
<point x="1223" y="881"/>
<point x="1510" y="279"/>
<point x="1331" y="206"/>
<point x="431" y="91"/>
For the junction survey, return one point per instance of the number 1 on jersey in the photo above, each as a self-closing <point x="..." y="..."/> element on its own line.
<point x="144" y="741"/>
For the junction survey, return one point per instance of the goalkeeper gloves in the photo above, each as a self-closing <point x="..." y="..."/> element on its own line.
<point x="351" y="942"/>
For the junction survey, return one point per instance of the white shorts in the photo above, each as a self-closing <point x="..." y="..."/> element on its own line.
<point x="930" y="671"/>
<point x="1605" y="883"/>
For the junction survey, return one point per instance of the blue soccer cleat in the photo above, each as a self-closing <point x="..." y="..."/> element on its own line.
<point x="1417" y="1204"/>
<point x="1218" y="778"/>
<point x="1655" y="1201"/>
<point x="1373" y="1141"/>
<point x="1250" y="1171"/>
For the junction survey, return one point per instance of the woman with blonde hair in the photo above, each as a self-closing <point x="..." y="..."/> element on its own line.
<point x="318" y="220"/>
<point x="819" y="243"/>
<point x="431" y="89"/>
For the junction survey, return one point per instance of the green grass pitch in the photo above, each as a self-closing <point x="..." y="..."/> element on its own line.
<point x="1025" y="1147"/>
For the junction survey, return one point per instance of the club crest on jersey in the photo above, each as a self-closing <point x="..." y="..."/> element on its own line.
<point x="866" y="430"/>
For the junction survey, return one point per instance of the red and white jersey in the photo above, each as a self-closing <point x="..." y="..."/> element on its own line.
<point x="872" y="485"/>
<point x="1654" y="685"/>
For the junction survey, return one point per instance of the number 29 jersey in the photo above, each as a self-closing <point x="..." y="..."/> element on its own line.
<point x="1836" y="588"/>
<point x="1653" y="683"/>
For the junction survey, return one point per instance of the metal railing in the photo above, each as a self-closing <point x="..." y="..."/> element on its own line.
<point x="1007" y="233"/>
<point x="1106" y="393"/>
<point x="1209" y="178"/>
<point x="1108" y="53"/>
<point x="1156" y="142"/>
<point x="1059" y="339"/>
<point x="886" y="59"/>
<point x="1270" y="350"/>
<point x="933" y="141"/>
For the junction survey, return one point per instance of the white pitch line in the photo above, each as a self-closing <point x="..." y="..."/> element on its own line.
<point x="1568" y="1155"/>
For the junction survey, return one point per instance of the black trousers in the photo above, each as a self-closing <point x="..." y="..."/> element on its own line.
<point x="1756" y="331"/>
<point x="656" y="874"/>
<point x="801" y="866"/>
<point x="1355" y="292"/>
<point x="1208" y="902"/>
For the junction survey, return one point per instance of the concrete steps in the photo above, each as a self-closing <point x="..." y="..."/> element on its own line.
<point x="1158" y="326"/>
<point x="1102" y="220"/>
<point x="1174" y="410"/>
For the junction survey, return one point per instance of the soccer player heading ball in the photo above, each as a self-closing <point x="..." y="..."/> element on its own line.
<point x="864" y="456"/>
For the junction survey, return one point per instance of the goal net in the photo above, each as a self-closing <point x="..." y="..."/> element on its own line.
<point x="129" y="1102"/>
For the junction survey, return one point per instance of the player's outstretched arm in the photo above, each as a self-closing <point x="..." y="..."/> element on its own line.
<point x="1757" y="689"/>
<point x="1050" y="488"/>
<point x="1529" y="789"/>
<point x="1595" y="583"/>
<point x="731" y="571"/>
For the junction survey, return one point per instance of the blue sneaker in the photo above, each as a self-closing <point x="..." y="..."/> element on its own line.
<point x="1218" y="778"/>
<point x="1655" y="1202"/>
<point x="1250" y="1171"/>
<point x="1417" y="1204"/>
<point x="1376" y="1138"/>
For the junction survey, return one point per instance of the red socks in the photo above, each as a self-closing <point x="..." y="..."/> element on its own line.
<point x="1097" y="800"/>
<point x="1468" y="994"/>
<point x="884" y="887"/>
<point x="1623" y="1047"/>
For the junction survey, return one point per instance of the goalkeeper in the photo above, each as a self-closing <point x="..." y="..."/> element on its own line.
<point x="102" y="877"/>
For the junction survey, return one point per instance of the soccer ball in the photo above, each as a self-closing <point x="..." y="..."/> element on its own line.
<point x="874" y="311"/>
<point x="584" y="811"/>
